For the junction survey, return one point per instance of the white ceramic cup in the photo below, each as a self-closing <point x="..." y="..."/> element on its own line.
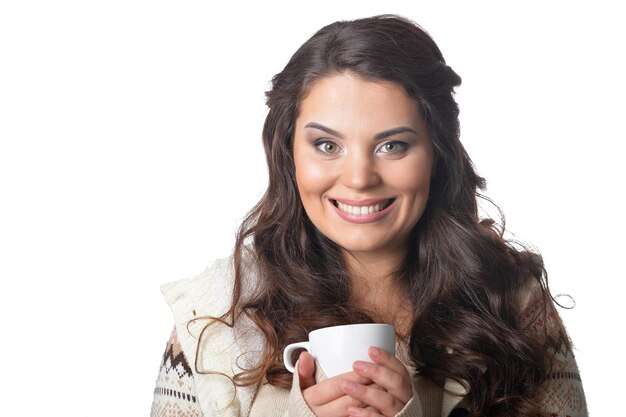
<point x="336" y="348"/>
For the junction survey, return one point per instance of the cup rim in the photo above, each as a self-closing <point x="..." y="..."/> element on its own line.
<point x="352" y="325"/>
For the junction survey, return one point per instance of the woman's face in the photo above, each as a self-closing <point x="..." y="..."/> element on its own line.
<point x="363" y="162"/>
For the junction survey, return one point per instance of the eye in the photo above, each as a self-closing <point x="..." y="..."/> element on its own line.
<point x="393" y="147"/>
<point x="327" y="147"/>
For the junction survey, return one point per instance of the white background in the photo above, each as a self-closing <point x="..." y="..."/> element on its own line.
<point x="130" y="150"/>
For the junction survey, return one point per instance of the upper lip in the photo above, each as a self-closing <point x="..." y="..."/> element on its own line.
<point x="360" y="203"/>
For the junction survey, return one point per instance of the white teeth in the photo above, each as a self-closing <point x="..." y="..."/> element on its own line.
<point x="359" y="210"/>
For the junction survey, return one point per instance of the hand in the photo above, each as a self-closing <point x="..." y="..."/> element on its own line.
<point x="386" y="372"/>
<point x="327" y="398"/>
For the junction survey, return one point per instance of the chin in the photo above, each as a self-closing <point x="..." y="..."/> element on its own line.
<point x="363" y="247"/>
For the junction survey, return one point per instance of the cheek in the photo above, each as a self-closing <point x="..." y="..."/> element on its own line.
<point x="412" y="179"/>
<point x="312" y="178"/>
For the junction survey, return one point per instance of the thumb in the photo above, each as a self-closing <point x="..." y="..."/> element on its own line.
<point x="306" y="370"/>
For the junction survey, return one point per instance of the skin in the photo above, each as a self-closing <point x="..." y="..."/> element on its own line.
<point x="339" y="154"/>
<point x="358" y="167"/>
<point x="380" y="388"/>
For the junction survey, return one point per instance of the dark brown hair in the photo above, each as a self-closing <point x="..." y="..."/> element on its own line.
<point x="464" y="280"/>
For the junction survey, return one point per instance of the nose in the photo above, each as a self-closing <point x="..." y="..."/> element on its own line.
<point x="360" y="172"/>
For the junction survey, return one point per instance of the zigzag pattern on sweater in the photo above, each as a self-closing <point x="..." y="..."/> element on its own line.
<point x="175" y="391"/>
<point x="175" y="361"/>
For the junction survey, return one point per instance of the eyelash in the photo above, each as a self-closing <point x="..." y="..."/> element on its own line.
<point x="320" y="143"/>
<point x="403" y="146"/>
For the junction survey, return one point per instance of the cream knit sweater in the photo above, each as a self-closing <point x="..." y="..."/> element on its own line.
<point x="183" y="391"/>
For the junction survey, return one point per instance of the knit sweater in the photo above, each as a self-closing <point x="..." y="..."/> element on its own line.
<point x="190" y="385"/>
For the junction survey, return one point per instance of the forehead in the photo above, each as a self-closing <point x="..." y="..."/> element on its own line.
<point x="344" y="99"/>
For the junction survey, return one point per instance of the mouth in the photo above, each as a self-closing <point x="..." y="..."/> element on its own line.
<point x="363" y="209"/>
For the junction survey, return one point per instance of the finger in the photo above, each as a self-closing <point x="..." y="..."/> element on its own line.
<point x="363" y="412"/>
<point x="385" y="375"/>
<point x="331" y="389"/>
<point x="397" y="385"/>
<point x="380" y="400"/>
<point x="306" y="370"/>
<point x="381" y="357"/>
<point x="372" y="410"/>
<point x="337" y="407"/>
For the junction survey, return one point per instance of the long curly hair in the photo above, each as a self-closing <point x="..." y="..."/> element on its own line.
<point x="463" y="278"/>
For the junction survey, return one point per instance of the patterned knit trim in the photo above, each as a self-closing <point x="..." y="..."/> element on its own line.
<point x="166" y="392"/>
<point x="175" y="391"/>
<point x="174" y="359"/>
<point x="566" y="375"/>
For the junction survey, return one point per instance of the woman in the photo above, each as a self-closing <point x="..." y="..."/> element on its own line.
<point x="370" y="216"/>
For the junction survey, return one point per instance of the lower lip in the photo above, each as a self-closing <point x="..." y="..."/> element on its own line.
<point x="363" y="218"/>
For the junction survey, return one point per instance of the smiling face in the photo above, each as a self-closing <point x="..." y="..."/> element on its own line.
<point x="363" y="160"/>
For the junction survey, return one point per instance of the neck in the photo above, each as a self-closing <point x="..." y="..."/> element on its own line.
<point x="374" y="266"/>
<point x="367" y="268"/>
<point x="375" y="287"/>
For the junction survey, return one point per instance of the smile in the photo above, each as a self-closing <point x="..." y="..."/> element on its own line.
<point x="362" y="210"/>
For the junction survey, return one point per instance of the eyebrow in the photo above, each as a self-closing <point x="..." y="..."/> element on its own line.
<point x="378" y="136"/>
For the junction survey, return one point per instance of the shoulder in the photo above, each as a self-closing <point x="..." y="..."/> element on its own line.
<point x="538" y="315"/>
<point x="562" y="393"/>
<point x="214" y="349"/>
<point x="208" y="293"/>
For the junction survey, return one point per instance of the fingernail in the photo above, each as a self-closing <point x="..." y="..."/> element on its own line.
<point x="355" y="411"/>
<point x="376" y="351"/>
<point x="349" y="386"/>
<point x="361" y="366"/>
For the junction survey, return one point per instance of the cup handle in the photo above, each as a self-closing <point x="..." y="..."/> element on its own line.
<point x="289" y="350"/>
